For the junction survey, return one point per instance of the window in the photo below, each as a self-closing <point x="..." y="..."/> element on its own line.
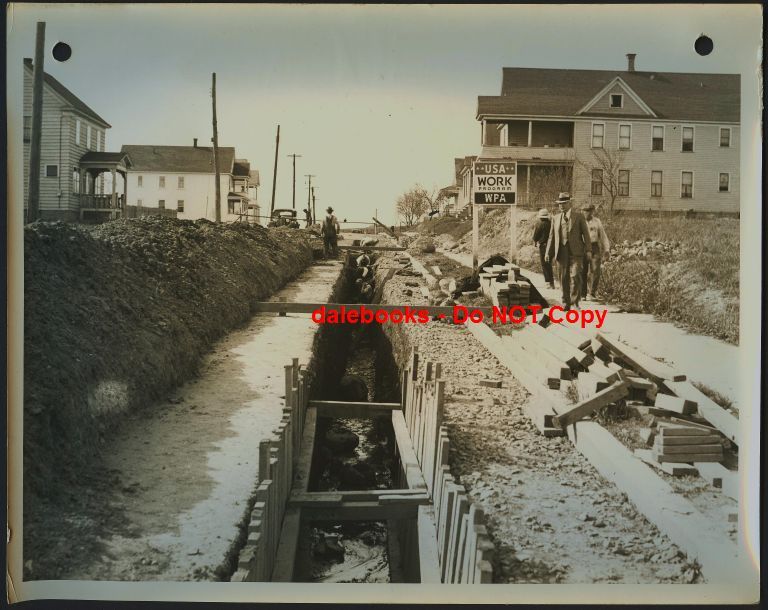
<point x="725" y="182"/>
<point x="617" y="100"/>
<point x="161" y="204"/>
<point x="656" y="184"/>
<point x="27" y="128"/>
<point x="78" y="131"/>
<point x="686" y="185"/>
<point x="75" y="180"/>
<point x="51" y="171"/>
<point x="139" y="202"/>
<point x="598" y="132"/>
<point x="625" y="137"/>
<point x="725" y="137"/>
<point x="597" y="182"/>
<point x="687" y="139"/>
<point x="180" y="182"/>
<point x="161" y="182"/>
<point x="231" y="206"/>
<point x="623" y="183"/>
<point x="657" y="137"/>
<point x="180" y="205"/>
<point x="140" y="180"/>
<point x="89" y="135"/>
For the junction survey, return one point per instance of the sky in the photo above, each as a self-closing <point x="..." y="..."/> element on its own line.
<point x="375" y="98"/>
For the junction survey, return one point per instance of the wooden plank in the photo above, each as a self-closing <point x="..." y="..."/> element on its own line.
<point x="605" y="397"/>
<point x="490" y="383"/>
<point x="721" y="419"/>
<point x="669" y="440"/>
<point x="655" y="370"/>
<point x="577" y="341"/>
<point x="406" y="508"/>
<point x="372" y="248"/>
<point x="523" y="367"/>
<point x="459" y="509"/>
<point x="666" y="450"/>
<point x="721" y="478"/>
<point x="460" y="549"/>
<point x="429" y="563"/>
<point x="554" y="365"/>
<point x="674" y="403"/>
<point x="285" y="558"/>
<point x="673" y="429"/>
<point x="559" y="348"/>
<point x="673" y="514"/>
<point x="336" y="498"/>
<point x="691" y="457"/>
<point x="694" y="424"/>
<point x="674" y="469"/>
<point x="335" y="408"/>
<point x="431" y="310"/>
<point x="406" y="452"/>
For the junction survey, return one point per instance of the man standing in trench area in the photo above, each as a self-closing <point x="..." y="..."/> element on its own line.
<point x="330" y="231"/>
<point x="569" y="244"/>
<point x="601" y="250"/>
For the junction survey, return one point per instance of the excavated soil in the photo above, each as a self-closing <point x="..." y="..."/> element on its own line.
<point x="551" y="516"/>
<point x="116" y="317"/>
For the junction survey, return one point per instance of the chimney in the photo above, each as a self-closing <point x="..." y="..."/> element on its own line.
<point x="631" y="62"/>
<point x="194" y="142"/>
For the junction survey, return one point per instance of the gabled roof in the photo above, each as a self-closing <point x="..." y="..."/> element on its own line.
<point x="241" y="167"/>
<point x="559" y="92"/>
<point x="69" y="97"/>
<point x="192" y="159"/>
<point x="93" y="157"/>
<point x="255" y="177"/>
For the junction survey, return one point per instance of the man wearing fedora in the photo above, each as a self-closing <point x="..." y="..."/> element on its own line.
<point x="601" y="248"/>
<point x="569" y="244"/>
<point x="330" y="232"/>
<point x="540" y="239"/>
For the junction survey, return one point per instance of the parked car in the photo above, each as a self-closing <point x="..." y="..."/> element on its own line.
<point x="284" y="217"/>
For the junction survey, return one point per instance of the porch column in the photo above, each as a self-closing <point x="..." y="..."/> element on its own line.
<point x="528" y="184"/>
<point x="530" y="133"/>
<point x="114" y="188"/>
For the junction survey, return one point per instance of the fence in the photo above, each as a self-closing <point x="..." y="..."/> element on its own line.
<point x="276" y="461"/>
<point x="464" y="549"/>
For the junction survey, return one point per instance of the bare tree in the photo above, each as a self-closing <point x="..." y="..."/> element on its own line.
<point x="604" y="167"/>
<point x="546" y="183"/>
<point x="416" y="202"/>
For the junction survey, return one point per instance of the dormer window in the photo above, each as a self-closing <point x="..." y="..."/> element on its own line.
<point x="617" y="100"/>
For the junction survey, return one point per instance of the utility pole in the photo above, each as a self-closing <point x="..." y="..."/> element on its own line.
<point x="375" y="226"/>
<point x="274" y="173"/>
<point x="294" y="178"/>
<point x="314" y="210"/>
<point x="33" y="205"/>
<point x="216" y="151"/>
<point x="309" y="189"/>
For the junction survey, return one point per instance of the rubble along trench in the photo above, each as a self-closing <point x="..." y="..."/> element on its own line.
<point x="549" y="513"/>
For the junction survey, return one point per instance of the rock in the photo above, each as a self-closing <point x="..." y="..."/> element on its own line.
<point x="599" y="523"/>
<point x="353" y="388"/>
<point x="341" y="440"/>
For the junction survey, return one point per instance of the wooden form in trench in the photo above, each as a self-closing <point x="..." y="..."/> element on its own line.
<point x="437" y="532"/>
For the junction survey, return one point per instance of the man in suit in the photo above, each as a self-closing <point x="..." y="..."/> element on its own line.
<point x="569" y="244"/>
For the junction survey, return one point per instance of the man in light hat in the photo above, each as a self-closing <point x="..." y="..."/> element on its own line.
<point x="540" y="238"/>
<point x="569" y="244"/>
<point x="330" y="233"/>
<point x="600" y="251"/>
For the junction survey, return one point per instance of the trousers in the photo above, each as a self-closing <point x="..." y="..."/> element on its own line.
<point x="591" y="274"/>
<point x="571" y="269"/>
<point x="330" y="245"/>
<point x="546" y="266"/>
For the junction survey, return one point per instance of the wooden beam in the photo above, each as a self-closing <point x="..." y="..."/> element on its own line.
<point x="337" y="408"/>
<point x="429" y="564"/>
<point x="432" y="310"/>
<point x="405" y="450"/>
<point x="724" y="421"/>
<point x="336" y="498"/>
<point x="605" y="397"/>
<point x="674" y="403"/>
<point x="672" y="513"/>
<point x="378" y="248"/>
<point x="643" y="363"/>
<point x="404" y="508"/>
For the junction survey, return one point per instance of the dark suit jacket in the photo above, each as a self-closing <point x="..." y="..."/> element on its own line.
<point x="578" y="237"/>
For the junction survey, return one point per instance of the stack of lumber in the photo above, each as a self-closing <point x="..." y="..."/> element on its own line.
<point x="680" y="443"/>
<point x="504" y="285"/>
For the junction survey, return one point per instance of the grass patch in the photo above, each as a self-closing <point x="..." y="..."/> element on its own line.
<point x="447" y="225"/>
<point x="716" y="396"/>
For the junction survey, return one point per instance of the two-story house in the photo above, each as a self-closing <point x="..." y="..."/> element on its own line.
<point x="660" y="141"/>
<point x="182" y="178"/>
<point x="73" y="160"/>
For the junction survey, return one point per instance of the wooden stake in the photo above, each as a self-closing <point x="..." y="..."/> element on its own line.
<point x="475" y="236"/>
<point x="33" y="205"/>
<point x="216" y="149"/>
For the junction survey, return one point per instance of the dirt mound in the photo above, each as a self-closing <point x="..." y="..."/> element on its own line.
<point x="118" y="314"/>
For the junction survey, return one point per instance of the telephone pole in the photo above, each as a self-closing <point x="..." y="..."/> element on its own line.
<point x="314" y="210"/>
<point x="309" y="189"/>
<point x="274" y="173"/>
<point x="33" y="205"/>
<point x="216" y="150"/>
<point x="294" y="178"/>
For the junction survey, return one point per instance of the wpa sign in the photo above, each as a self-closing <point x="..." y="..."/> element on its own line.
<point x="495" y="181"/>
